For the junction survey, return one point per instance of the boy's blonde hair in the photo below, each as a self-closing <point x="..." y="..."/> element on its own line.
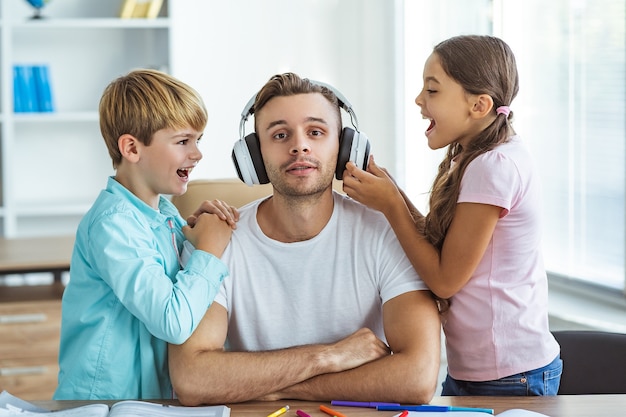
<point x="143" y="102"/>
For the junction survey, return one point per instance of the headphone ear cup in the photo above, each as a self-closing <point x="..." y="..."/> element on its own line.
<point x="254" y="147"/>
<point x="353" y="146"/>
<point x="249" y="161"/>
<point x="240" y="162"/>
<point x="345" y="147"/>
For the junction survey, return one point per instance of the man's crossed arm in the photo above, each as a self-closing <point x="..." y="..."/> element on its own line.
<point x="358" y="367"/>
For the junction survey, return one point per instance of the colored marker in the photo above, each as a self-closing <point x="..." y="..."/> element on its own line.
<point x="331" y="412"/>
<point x="359" y="404"/>
<point x="436" y="408"/>
<point x="404" y="413"/>
<point x="279" y="411"/>
<point x="301" y="413"/>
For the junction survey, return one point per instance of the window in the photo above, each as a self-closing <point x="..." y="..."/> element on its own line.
<point x="571" y="55"/>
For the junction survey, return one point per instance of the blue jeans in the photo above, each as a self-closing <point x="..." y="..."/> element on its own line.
<point x="541" y="381"/>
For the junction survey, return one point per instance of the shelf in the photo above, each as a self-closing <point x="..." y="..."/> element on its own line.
<point x="93" y="23"/>
<point x="55" y="117"/>
<point x="54" y="165"/>
<point x="48" y="210"/>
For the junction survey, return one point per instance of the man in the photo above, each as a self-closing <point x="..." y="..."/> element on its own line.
<point x="321" y="302"/>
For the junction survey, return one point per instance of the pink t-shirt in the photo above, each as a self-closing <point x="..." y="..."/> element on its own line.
<point x="497" y="324"/>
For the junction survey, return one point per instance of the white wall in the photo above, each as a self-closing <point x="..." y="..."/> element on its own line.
<point x="228" y="49"/>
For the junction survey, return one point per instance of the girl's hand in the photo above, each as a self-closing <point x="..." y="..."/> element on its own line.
<point x="225" y="212"/>
<point x="375" y="188"/>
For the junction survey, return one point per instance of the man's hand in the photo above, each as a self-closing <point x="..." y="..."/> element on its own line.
<point x="357" y="349"/>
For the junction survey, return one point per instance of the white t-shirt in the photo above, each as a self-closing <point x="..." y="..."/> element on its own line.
<point x="498" y="323"/>
<point x="320" y="290"/>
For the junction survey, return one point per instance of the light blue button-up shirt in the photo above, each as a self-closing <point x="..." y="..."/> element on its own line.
<point x="127" y="298"/>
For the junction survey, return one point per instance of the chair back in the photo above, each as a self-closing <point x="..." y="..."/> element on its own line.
<point x="231" y="190"/>
<point x="594" y="362"/>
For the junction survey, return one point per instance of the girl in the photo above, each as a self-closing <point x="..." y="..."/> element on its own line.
<point x="480" y="244"/>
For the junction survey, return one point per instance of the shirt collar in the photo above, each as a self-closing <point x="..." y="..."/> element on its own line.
<point x="166" y="208"/>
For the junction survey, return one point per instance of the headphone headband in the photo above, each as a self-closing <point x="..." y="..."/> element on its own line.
<point x="343" y="103"/>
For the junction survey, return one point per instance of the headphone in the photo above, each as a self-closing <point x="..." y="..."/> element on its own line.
<point x="353" y="145"/>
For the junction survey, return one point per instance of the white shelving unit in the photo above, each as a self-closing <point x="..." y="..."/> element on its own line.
<point x="53" y="165"/>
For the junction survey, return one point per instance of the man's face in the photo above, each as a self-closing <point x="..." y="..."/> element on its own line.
<point x="299" y="140"/>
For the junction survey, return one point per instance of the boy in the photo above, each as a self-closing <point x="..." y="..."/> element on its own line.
<point x="127" y="296"/>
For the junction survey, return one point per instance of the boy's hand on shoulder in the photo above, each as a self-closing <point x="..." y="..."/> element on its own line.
<point x="209" y="233"/>
<point x="223" y="210"/>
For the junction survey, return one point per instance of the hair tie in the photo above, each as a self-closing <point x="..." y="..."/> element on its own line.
<point x="505" y="110"/>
